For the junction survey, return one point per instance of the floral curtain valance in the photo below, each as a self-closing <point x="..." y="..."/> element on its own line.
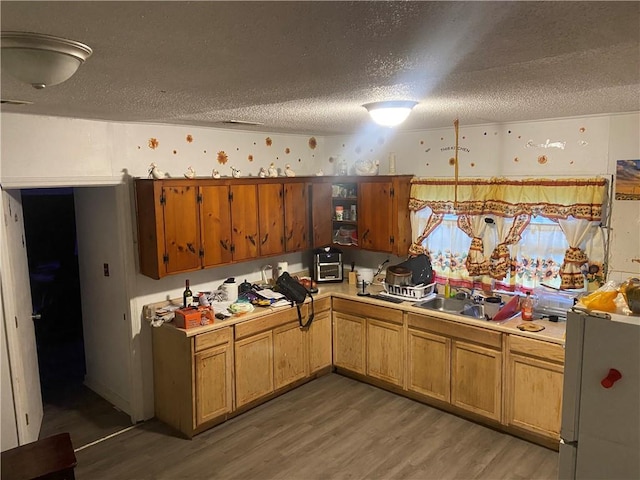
<point x="556" y="199"/>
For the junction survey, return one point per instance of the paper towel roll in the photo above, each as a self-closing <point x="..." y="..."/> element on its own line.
<point x="282" y="267"/>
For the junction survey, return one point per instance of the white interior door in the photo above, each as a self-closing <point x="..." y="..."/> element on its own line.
<point x="21" y="338"/>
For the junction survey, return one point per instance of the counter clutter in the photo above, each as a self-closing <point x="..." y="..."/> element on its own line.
<point x="553" y="331"/>
<point x="490" y="372"/>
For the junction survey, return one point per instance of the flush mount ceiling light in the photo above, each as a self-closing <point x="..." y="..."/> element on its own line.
<point x="390" y="113"/>
<point x="41" y="60"/>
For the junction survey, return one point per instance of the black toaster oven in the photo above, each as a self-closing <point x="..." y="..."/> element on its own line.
<point x="327" y="265"/>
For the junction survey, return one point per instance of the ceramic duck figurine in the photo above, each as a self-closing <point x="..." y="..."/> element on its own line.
<point x="235" y="172"/>
<point x="190" y="173"/>
<point x="288" y="172"/>
<point x="215" y="173"/>
<point x="273" y="171"/>
<point x="262" y="173"/>
<point x="155" y="172"/>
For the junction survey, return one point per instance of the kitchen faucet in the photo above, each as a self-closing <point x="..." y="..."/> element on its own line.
<point x="464" y="293"/>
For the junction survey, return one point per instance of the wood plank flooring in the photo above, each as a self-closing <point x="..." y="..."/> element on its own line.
<point x="330" y="428"/>
<point x="81" y="412"/>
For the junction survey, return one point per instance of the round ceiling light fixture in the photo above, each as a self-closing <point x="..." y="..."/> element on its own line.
<point x="41" y="60"/>
<point x="390" y="113"/>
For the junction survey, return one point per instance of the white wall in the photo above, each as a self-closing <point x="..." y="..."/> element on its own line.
<point x="489" y="150"/>
<point x="105" y="310"/>
<point x="40" y="151"/>
<point x="624" y="144"/>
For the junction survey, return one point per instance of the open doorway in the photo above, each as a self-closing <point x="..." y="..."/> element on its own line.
<point x="50" y="232"/>
<point x="55" y="271"/>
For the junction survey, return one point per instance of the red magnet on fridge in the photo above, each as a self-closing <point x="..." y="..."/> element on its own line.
<point x="613" y="376"/>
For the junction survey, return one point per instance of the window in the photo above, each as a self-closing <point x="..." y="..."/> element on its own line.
<point x="511" y="234"/>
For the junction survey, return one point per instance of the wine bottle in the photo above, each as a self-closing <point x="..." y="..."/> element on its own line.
<point x="187" y="296"/>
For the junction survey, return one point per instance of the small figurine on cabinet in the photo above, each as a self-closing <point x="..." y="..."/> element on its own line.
<point x="190" y="173"/>
<point x="288" y="172"/>
<point x="215" y="173"/>
<point x="262" y="173"/>
<point x="235" y="172"/>
<point x="320" y="173"/>
<point x="273" y="171"/>
<point x="155" y="172"/>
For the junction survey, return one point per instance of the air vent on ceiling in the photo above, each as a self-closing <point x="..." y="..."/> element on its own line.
<point x="241" y="122"/>
<point x="15" y="102"/>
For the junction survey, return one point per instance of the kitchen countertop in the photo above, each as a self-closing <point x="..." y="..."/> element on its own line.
<point x="553" y="332"/>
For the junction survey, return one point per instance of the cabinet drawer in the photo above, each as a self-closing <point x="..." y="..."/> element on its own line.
<point x="212" y="339"/>
<point x="269" y="322"/>
<point x="362" y="309"/>
<point x="457" y="330"/>
<point x="536" y="348"/>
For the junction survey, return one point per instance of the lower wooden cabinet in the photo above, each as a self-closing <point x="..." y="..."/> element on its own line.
<point x="385" y="351"/>
<point x="533" y="391"/>
<point x="319" y="338"/>
<point x="272" y="351"/>
<point x="254" y="367"/>
<point x="476" y="379"/>
<point x="349" y="342"/>
<point x="455" y="363"/>
<point x="193" y="377"/>
<point x="429" y="364"/>
<point x="213" y="380"/>
<point x="369" y="340"/>
<point x="517" y="381"/>
<point x="289" y="354"/>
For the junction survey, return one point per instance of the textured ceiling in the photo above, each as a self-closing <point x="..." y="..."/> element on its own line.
<point x="307" y="67"/>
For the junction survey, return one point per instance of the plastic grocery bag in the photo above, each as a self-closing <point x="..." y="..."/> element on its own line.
<point x="603" y="299"/>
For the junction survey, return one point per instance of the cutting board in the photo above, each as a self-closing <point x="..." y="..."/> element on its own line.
<point x="508" y="311"/>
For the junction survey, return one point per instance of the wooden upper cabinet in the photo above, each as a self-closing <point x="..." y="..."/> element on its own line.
<point x="270" y="208"/>
<point x="321" y="214"/>
<point x="296" y="217"/>
<point x="188" y="224"/>
<point x="215" y="221"/>
<point x="244" y="222"/>
<point x="181" y="227"/>
<point x="375" y="216"/>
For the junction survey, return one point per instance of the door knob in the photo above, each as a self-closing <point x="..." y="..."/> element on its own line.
<point x="36" y="316"/>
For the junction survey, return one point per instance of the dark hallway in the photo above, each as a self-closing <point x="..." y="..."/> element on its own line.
<point x="50" y="232"/>
<point x="69" y="406"/>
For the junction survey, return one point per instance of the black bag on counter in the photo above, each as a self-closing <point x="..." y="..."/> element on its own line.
<point x="295" y="293"/>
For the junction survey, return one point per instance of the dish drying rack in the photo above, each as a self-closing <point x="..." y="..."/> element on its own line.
<point x="410" y="293"/>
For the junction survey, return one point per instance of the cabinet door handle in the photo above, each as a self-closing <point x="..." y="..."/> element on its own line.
<point x="264" y="240"/>
<point x="365" y="234"/>
<point x="251" y="239"/>
<point x="224" y="244"/>
<point x="190" y="248"/>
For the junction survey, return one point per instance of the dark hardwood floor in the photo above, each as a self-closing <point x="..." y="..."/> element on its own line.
<point x="330" y="428"/>
<point x="87" y="417"/>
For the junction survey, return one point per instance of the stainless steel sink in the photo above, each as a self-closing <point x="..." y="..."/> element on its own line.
<point x="473" y="310"/>
<point x="458" y="306"/>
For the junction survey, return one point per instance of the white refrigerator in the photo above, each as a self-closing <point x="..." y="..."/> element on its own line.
<point x="600" y="433"/>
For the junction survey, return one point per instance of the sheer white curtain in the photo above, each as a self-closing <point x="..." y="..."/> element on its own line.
<point x="423" y="223"/>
